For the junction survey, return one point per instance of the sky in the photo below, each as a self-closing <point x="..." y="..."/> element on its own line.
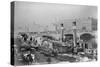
<point x="34" y="15"/>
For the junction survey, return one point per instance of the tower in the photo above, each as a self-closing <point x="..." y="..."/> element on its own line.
<point x="74" y="36"/>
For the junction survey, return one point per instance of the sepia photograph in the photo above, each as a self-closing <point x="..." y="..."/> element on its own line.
<point x="50" y="33"/>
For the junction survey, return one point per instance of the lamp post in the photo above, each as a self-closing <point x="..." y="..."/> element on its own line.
<point x="62" y="31"/>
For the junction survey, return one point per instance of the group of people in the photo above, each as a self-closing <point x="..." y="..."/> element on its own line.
<point x="33" y="42"/>
<point x="29" y="45"/>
